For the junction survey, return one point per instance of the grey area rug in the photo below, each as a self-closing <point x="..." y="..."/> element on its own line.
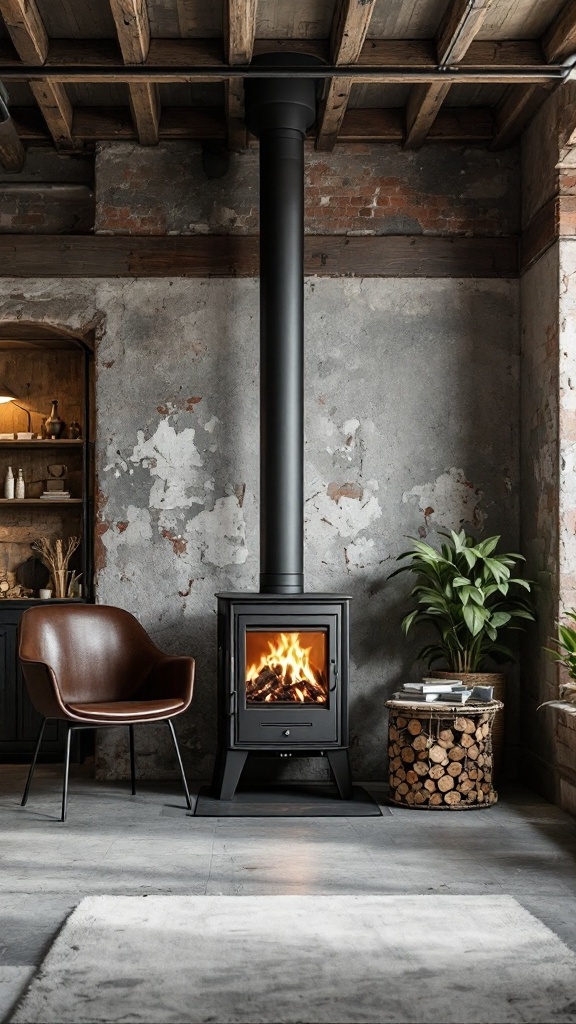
<point x="288" y="801"/>
<point x="328" y="959"/>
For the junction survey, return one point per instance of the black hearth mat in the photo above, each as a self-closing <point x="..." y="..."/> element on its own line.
<point x="288" y="801"/>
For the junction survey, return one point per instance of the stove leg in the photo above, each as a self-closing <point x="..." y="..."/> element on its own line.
<point x="228" y="775"/>
<point x="340" y="765"/>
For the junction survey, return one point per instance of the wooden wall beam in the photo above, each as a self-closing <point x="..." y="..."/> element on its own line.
<point x="349" y="28"/>
<point x="239" y="17"/>
<point x="61" y="256"/>
<point x="462" y="22"/>
<point x="133" y="31"/>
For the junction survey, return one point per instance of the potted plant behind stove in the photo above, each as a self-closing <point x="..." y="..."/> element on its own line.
<point x="466" y="592"/>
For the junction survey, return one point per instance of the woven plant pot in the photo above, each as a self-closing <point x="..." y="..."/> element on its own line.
<point x="498" y="681"/>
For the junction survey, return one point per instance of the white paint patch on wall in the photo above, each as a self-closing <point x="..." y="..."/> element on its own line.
<point x="171" y="458"/>
<point x="220" y="534"/>
<point x="327" y="522"/>
<point x="449" y="501"/>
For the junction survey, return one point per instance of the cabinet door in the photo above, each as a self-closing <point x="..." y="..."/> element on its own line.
<point x="8" y="715"/>
<point x="19" y="722"/>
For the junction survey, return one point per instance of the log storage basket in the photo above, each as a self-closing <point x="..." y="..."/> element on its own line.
<point x="441" y="758"/>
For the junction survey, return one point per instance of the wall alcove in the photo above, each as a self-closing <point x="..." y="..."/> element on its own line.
<point x="40" y="363"/>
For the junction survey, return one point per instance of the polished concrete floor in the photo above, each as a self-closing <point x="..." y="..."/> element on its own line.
<point x="114" y="843"/>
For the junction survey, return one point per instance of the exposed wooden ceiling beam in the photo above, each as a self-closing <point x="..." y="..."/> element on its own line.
<point x="26" y="29"/>
<point x="461" y="24"/>
<point x="518" y="105"/>
<point x="28" y="34"/>
<point x="56" y="109"/>
<point x="463" y="21"/>
<point x="239" y="17"/>
<point x="349" y="28"/>
<point x="133" y="31"/>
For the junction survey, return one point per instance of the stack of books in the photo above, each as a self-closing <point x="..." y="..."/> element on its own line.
<point x="55" y="495"/>
<point x="431" y="691"/>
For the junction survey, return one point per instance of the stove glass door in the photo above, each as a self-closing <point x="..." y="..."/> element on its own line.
<point x="286" y="667"/>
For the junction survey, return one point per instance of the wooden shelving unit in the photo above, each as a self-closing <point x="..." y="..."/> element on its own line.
<point x="37" y="372"/>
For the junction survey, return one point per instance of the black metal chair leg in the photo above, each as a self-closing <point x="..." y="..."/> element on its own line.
<point x="66" y="772"/>
<point x="132" y="760"/>
<point x="33" y="765"/>
<point x="177" y="749"/>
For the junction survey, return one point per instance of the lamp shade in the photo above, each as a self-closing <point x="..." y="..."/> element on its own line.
<point x="6" y="394"/>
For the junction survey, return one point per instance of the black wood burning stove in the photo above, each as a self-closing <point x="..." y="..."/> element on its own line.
<point x="282" y="653"/>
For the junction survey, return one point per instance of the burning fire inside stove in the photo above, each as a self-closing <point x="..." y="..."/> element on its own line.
<point x="286" y="668"/>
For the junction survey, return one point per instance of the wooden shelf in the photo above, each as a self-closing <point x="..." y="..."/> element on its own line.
<point x="41" y="501"/>
<point x="39" y="443"/>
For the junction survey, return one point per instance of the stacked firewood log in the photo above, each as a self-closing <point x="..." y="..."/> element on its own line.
<point x="441" y="762"/>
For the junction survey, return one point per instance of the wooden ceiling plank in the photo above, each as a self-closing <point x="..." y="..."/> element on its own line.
<point x="559" y="41"/>
<point x="349" y="28"/>
<point x="26" y="29"/>
<point x="56" y="109"/>
<point x="133" y="31"/>
<point x="462" y="21"/>
<point x="239" y="20"/>
<point x="453" y="124"/>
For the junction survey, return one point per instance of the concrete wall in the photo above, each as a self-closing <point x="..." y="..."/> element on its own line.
<point x="411" y="426"/>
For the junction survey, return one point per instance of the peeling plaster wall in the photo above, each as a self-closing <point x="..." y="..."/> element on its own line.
<point x="411" y="426"/>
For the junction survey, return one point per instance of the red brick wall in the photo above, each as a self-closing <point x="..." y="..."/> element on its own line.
<point x="357" y="190"/>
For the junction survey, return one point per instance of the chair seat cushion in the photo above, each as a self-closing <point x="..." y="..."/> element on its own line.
<point x="126" y="710"/>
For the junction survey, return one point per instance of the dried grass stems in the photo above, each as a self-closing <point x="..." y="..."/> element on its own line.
<point x="56" y="555"/>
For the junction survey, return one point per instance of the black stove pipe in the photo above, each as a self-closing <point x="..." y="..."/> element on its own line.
<point x="279" y="111"/>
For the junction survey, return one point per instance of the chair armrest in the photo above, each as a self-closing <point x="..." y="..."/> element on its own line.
<point x="170" y="676"/>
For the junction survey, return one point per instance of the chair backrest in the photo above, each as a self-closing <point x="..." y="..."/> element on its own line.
<point x="96" y="652"/>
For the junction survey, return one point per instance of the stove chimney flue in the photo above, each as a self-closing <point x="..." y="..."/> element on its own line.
<point x="279" y="112"/>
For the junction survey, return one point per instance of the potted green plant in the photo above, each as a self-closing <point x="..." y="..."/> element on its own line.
<point x="565" y="654"/>
<point x="466" y="592"/>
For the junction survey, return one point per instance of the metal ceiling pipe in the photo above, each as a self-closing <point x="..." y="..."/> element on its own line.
<point x="279" y="111"/>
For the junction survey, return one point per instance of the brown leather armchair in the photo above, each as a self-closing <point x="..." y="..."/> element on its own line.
<point x="94" y="666"/>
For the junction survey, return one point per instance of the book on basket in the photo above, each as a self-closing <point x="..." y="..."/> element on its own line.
<point x="447" y="697"/>
<point x="436" y="686"/>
